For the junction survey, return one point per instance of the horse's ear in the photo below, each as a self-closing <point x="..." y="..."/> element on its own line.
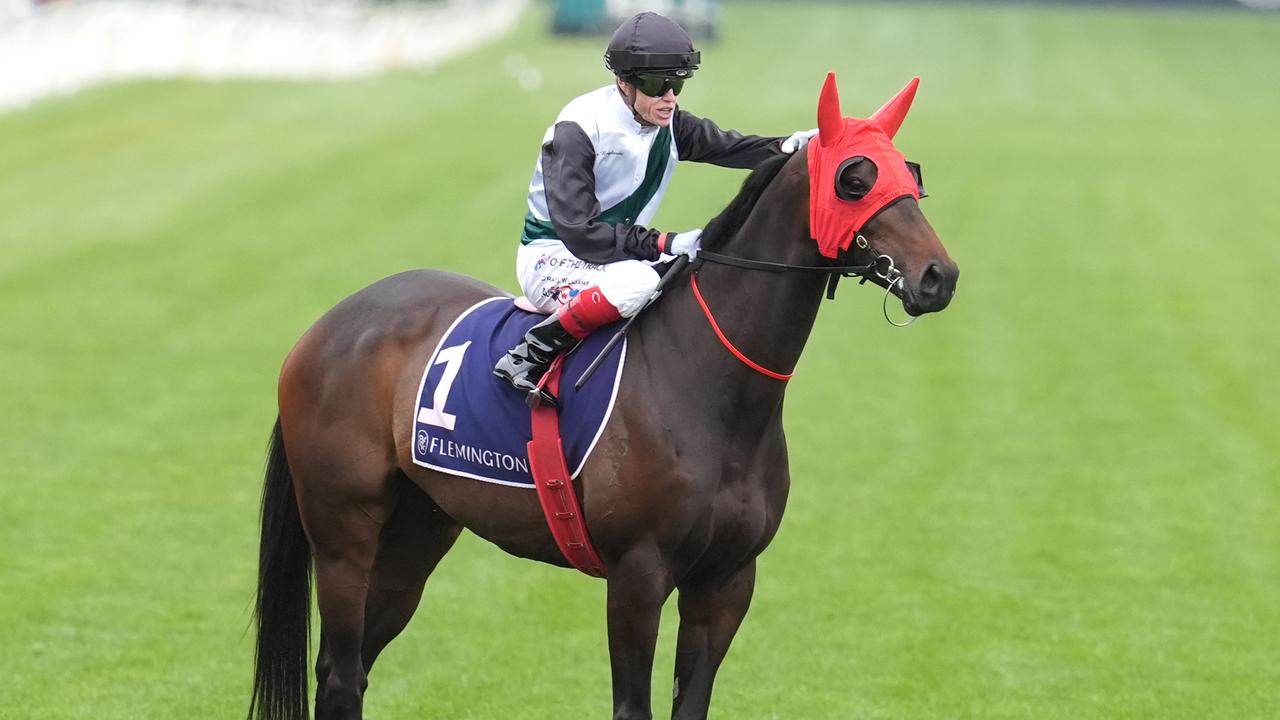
<point x="890" y="117"/>
<point x="830" y="119"/>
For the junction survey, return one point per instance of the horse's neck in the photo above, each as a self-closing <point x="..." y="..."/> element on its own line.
<point x="767" y="316"/>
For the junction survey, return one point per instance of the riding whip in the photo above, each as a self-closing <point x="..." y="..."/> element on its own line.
<point x="675" y="269"/>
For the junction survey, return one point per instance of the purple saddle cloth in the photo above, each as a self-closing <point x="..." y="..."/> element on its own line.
<point x="470" y="423"/>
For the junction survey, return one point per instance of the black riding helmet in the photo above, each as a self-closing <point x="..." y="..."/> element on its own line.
<point x="650" y="44"/>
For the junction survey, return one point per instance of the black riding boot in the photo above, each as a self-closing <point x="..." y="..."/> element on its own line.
<point x="525" y="364"/>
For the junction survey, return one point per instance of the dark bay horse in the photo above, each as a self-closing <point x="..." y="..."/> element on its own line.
<point x="685" y="488"/>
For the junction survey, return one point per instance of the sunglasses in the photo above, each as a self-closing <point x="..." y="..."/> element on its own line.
<point x="657" y="85"/>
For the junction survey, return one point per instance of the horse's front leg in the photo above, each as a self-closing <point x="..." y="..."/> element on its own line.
<point x="639" y="584"/>
<point x="710" y="614"/>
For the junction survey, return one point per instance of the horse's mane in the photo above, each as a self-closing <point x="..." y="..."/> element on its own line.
<point x="726" y="225"/>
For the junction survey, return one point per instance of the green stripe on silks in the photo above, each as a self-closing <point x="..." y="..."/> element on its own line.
<point x="535" y="229"/>
<point x="625" y="212"/>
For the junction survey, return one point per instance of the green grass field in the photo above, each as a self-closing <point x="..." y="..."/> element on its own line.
<point x="1058" y="499"/>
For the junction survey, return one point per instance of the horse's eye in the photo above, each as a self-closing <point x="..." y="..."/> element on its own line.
<point x="855" y="177"/>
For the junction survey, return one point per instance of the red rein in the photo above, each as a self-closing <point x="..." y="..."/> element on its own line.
<point x="693" y="279"/>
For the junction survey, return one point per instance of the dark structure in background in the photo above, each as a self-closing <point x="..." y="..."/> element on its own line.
<point x="701" y="17"/>
<point x="579" y="17"/>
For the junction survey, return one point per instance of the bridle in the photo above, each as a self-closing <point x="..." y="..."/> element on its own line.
<point x="881" y="267"/>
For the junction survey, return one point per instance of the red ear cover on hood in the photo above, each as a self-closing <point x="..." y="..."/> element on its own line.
<point x="830" y="121"/>
<point x="890" y="117"/>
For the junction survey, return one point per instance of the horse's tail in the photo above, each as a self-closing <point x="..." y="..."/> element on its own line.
<point x="283" y="612"/>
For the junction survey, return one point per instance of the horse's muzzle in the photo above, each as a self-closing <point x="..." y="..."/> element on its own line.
<point x="933" y="290"/>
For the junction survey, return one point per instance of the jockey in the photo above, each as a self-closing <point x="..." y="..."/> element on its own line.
<point x="587" y="252"/>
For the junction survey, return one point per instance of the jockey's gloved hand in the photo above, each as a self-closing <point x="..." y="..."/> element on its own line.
<point x="798" y="140"/>
<point x="686" y="243"/>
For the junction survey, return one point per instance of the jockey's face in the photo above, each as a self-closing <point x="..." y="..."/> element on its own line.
<point x="652" y="110"/>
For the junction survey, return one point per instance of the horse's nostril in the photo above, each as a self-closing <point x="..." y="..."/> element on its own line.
<point x="932" y="280"/>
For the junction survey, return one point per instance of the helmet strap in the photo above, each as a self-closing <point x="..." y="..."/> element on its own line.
<point x="630" y="99"/>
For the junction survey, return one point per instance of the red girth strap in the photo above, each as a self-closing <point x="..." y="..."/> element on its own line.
<point x="555" y="486"/>
<point x="693" y="279"/>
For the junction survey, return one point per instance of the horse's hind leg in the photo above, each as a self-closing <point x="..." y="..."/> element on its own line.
<point x="416" y="537"/>
<point x="346" y="491"/>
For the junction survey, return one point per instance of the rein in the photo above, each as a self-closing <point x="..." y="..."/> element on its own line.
<point x="885" y="270"/>
<point x="749" y="264"/>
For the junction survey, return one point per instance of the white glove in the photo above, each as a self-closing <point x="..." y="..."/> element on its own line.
<point x="798" y="140"/>
<point x="686" y="243"/>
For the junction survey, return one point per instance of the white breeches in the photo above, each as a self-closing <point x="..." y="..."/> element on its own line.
<point x="550" y="275"/>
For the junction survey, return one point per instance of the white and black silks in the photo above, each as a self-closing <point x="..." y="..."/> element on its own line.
<point x="601" y="174"/>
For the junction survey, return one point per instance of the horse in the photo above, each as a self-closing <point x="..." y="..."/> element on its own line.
<point x="688" y="481"/>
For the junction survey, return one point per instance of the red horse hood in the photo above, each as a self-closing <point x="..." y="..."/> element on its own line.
<point x="834" y="221"/>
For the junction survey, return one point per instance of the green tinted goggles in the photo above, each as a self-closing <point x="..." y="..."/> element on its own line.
<point x="657" y="85"/>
